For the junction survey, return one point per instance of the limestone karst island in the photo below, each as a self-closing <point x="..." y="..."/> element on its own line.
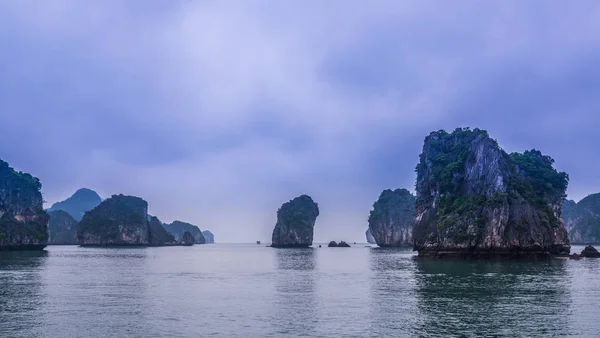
<point x="472" y="200"/>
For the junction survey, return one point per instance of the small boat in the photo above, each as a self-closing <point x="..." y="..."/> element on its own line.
<point x="258" y="242"/>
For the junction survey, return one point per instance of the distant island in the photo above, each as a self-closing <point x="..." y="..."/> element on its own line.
<point x="63" y="226"/>
<point x="82" y="201"/>
<point x="179" y="228"/>
<point x="474" y="199"/>
<point x="582" y="220"/>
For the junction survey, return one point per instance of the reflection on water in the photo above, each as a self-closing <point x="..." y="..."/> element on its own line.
<point x="492" y="298"/>
<point x="252" y="291"/>
<point x="295" y="301"/>
<point x="20" y="290"/>
<point x="393" y="302"/>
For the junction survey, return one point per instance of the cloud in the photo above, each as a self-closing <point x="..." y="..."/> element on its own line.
<point x="217" y="112"/>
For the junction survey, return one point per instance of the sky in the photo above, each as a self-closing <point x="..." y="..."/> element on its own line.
<point x="217" y="112"/>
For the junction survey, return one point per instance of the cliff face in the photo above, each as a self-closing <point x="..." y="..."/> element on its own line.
<point x="62" y="229"/>
<point x="187" y="238"/>
<point x="392" y="218"/>
<point x="210" y="238"/>
<point x="475" y="199"/>
<point x="370" y="238"/>
<point x="295" y="223"/>
<point x="23" y="221"/>
<point x="119" y="220"/>
<point x="83" y="200"/>
<point x="582" y="220"/>
<point x="157" y="234"/>
<point x="178" y="229"/>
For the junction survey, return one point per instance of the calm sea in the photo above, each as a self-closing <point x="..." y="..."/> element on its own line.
<point x="253" y="291"/>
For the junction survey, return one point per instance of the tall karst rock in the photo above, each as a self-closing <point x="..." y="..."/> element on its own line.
<point x="295" y="223"/>
<point x="392" y="218"/>
<point x="23" y="221"/>
<point x="474" y="199"/>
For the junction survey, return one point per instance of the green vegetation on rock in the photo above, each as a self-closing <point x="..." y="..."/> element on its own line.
<point x="392" y="218"/>
<point x="295" y="222"/>
<point x="472" y="194"/>
<point x="23" y="221"/>
<point x="119" y="220"/>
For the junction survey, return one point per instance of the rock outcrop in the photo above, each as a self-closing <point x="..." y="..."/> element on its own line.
<point x="370" y="238"/>
<point x="157" y="234"/>
<point x="208" y="236"/>
<point x="590" y="251"/>
<point x="474" y="199"/>
<point x="78" y="204"/>
<point x="188" y="238"/>
<point x="23" y="221"/>
<point x="392" y="218"/>
<point x="582" y="220"/>
<point x="62" y="229"/>
<point x="332" y="244"/>
<point x="119" y="220"/>
<point x="295" y="223"/>
<point x="178" y="229"/>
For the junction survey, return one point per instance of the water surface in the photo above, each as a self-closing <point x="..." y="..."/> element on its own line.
<point x="243" y="290"/>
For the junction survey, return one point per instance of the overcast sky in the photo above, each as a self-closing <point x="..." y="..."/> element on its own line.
<point x="217" y="112"/>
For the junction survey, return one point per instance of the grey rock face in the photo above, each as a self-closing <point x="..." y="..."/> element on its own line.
<point x="188" y="238"/>
<point x="582" y="220"/>
<point x="62" y="229"/>
<point x="392" y="218"/>
<point x="23" y="221"/>
<point x="157" y="234"/>
<point x="119" y="220"/>
<point x="370" y="238"/>
<point x="473" y="199"/>
<point x="210" y="238"/>
<point x="295" y="223"/>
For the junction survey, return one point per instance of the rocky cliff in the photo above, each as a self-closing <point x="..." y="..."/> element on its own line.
<point x="582" y="220"/>
<point x="178" y="228"/>
<point x="370" y="238"/>
<point x="210" y="238"/>
<point x="187" y="238"/>
<point x="79" y="203"/>
<point x="23" y="221"/>
<point x="295" y="223"/>
<point x="392" y="218"/>
<point x="474" y="199"/>
<point x="62" y="229"/>
<point x="119" y="220"/>
<point x="157" y="234"/>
